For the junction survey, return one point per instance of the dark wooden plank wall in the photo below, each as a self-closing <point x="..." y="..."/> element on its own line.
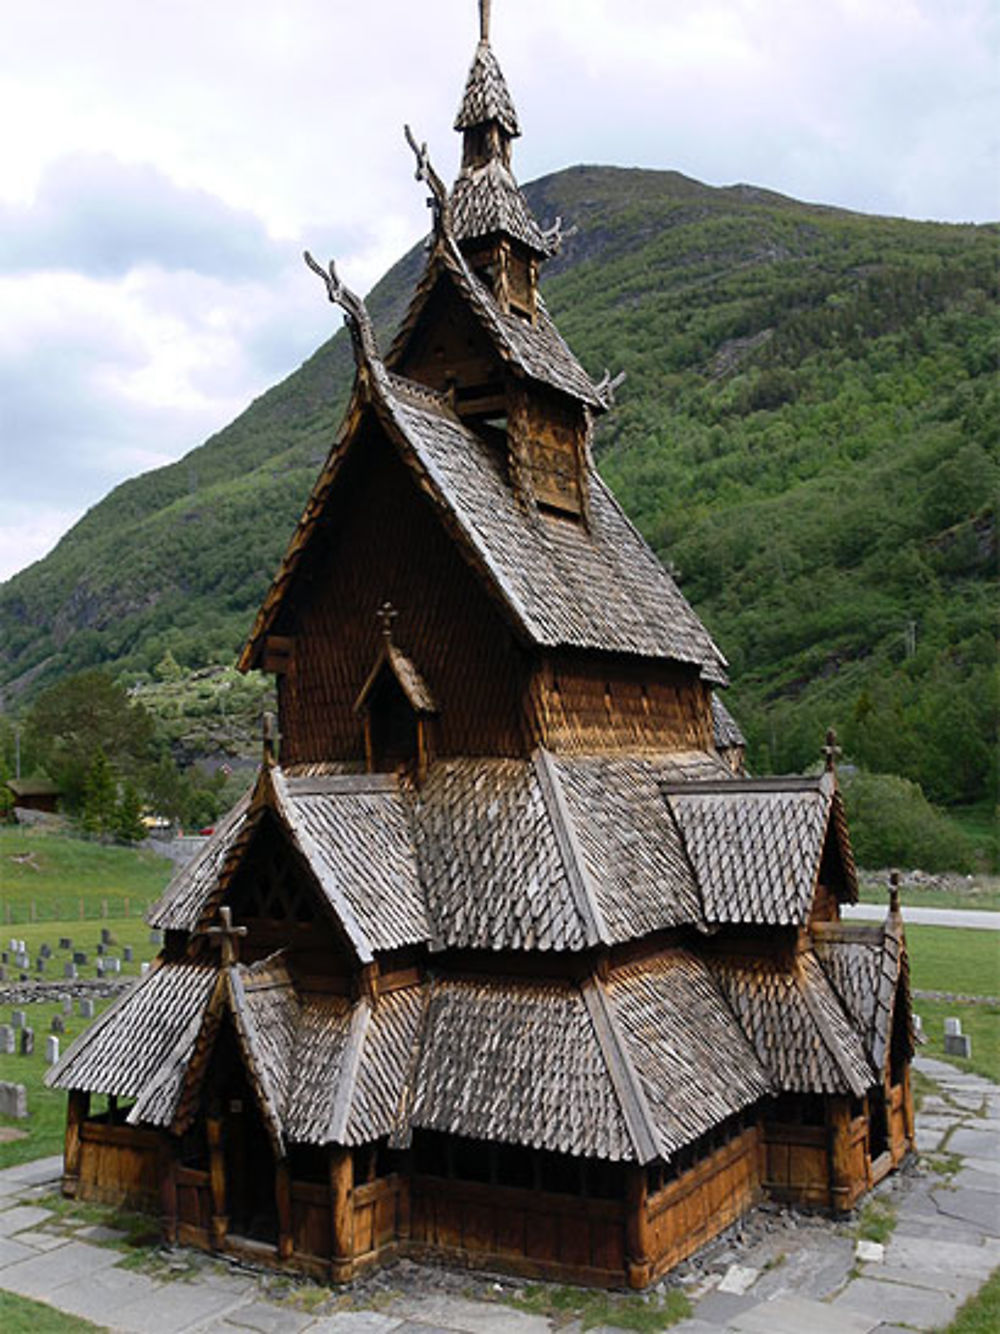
<point x="522" y="1231"/>
<point x="383" y="542"/>
<point x="448" y="347"/>
<point x="120" y="1165"/>
<point x="703" y="1201"/>
<point x="588" y="702"/>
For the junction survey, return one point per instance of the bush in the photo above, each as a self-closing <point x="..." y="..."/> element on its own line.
<point x="893" y="823"/>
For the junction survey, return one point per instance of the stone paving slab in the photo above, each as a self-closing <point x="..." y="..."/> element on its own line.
<point x="972" y="1142"/>
<point x="42" y="1275"/>
<point x="719" y="1308"/>
<point x="103" y="1295"/>
<point x="934" y="1280"/>
<point x="175" y="1307"/>
<point x="356" y="1322"/>
<point x="12" y="1251"/>
<point x="951" y="1256"/>
<point x="978" y="1207"/>
<point x="42" y="1241"/>
<point x="266" y="1318"/>
<point x="796" y="1315"/>
<point x="903" y="1303"/>
<point x="969" y="1179"/>
<point x="460" y="1313"/>
<point x="21" y="1217"/>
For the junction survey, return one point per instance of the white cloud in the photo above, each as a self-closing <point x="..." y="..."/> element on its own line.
<point x="164" y="166"/>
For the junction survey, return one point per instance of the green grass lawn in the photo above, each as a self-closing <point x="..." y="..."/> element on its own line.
<point x="20" y="1315"/>
<point x="981" y="1313"/>
<point x="980" y="1022"/>
<point x="46" y="1107"/>
<point x="945" y="959"/>
<point x="981" y="892"/>
<point x="59" y="877"/>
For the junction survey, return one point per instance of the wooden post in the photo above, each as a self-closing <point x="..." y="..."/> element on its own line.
<point x="842" y="1183"/>
<point x="76" y="1114"/>
<point x="638" y="1261"/>
<point x="217" y="1178"/>
<point x="168" y="1189"/>
<point x="341" y="1214"/>
<point x="283" y="1201"/>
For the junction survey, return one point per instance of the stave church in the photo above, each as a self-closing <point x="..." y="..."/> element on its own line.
<point x="503" y="961"/>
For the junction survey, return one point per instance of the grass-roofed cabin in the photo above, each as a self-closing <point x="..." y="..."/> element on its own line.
<point x="503" y="960"/>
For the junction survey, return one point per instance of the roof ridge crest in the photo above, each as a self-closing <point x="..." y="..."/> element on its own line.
<point x="624" y="1076"/>
<point x="571" y="854"/>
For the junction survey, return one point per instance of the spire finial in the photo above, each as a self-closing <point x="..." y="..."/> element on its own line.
<point x="894" y="893"/>
<point x="386" y="614"/>
<point x="831" y="751"/>
<point x="484" y="21"/>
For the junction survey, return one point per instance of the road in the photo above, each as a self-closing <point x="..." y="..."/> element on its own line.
<point x="976" y="918"/>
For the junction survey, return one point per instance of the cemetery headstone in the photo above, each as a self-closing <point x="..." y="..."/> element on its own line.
<point x="918" y="1025"/>
<point x="27" y="1042"/>
<point x="101" y="947"/>
<point x="67" y="1004"/>
<point x="86" y="1008"/>
<point x="5" y="956"/>
<point x="58" y="1024"/>
<point x="156" y="936"/>
<point x="3" y="973"/>
<point x="128" y="953"/>
<point x="143" y="968"/>
<point x="79" y="957"/>
<point x="65" y="943"/>
<point x="953" y="1027"/>
<point x="113" y="964"/>
<point x="956" y="1043"/>
<point x="18" y="1019"/>
<point x="105" y="936"/>
<point x="69" y="970"/>
<point x="39" y="965"/>
<point x="51" y="1050"/>
<point x="45" y="950"/>
<point x="13" y="1101"/>
<point x="8" y="1041"/>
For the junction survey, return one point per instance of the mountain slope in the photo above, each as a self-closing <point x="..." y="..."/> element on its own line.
<point x="807" y="433"/>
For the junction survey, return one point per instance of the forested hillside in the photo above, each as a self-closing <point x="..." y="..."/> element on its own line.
<point x="808" y="435"/>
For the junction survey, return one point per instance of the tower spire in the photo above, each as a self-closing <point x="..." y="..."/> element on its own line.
<point x="484" y="21"/>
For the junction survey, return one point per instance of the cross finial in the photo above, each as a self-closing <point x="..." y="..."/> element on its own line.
<point x="386" y="614"/>
<point x="225" y="936"/>
<point x="831" y="751"/>
<point x="484" y="20"/>
<point x="894" y="892"/>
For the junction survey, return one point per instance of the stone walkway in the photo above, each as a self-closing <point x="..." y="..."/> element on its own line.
<point x="789" y="1274"/>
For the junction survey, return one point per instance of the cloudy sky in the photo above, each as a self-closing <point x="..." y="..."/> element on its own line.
<point x="164" y="164"/>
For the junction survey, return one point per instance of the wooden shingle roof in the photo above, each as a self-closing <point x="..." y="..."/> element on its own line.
<point x="486" y="96"/>
<point x="756" y="845"/>
<point x="487" y="200"/>
<point x="866" y="962"/>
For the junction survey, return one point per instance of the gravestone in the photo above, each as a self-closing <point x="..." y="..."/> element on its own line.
<point x="79" y="957"/>
<point x="8" y="1041"/>
<point x="67" y="1004"/>
<point x="22" y="960"/>
<point x="5" y="956"/>
<point x="65" y="943"/>
<point x="100" y="967"/>
<point x="18" y="1019"/>
<point x="23" y="977"/>
<point x="101" y="947"/>
<point x="143" y="968"/>
<point x="39" y="965"/>
<point x="45" y="950"/>
<point x="51" y="1050"/>
<point x="156" y="936"/>
<point x="13" y="1101"/>
<point x="956" y="1043"/>
<point x="58" y="1024"/>
<point x="113" y="964"/>
<point x="105" y="936"/>
<point x="129" y="953"/>
<point x="3" y="973"/>
<point x="69" y="970"/>
<point x="27" y="1042"/>
<point x="86" y="1008"/>
<point x="918" y="1025"/>
<point x="953" y="1028"/>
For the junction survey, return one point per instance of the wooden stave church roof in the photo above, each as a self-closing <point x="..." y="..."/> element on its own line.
<point x="596" y="1079"/>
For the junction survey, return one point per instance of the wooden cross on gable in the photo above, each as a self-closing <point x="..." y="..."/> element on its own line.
<point x="831" y="751"/>
<point x="224" y="937"/>
<point x="386" y="614"/>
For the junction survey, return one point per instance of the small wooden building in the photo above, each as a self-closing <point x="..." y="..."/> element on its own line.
<point x="503" y="960"/>
<point x="34" y="794"/>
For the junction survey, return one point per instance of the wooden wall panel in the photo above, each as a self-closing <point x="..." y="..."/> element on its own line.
<point x="120" y="1165"/>
<point x="383" y="542"/>
<point x="590" y="702"/>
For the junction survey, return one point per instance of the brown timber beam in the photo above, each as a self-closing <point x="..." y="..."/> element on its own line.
<point x="638" y="1257"/>
<point x="217" y="1181"/>
<point x="341" y="1214"/>
<point x="167" y="1167"/>
<point x="283" y="1203"/>
<point x="76" y="1114"/>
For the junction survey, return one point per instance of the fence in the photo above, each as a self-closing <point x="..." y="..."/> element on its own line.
<point x="85" y="907"/>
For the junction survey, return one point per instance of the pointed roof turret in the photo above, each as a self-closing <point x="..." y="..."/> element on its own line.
<point x="486" y="200"/>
